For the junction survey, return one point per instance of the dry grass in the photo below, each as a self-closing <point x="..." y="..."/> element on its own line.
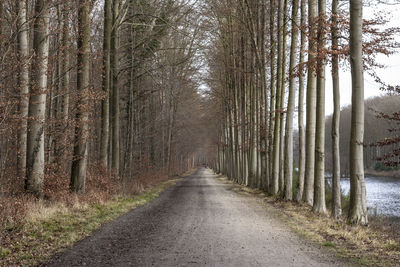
<point x="49" y="228"/>
<point x="33" y="229"/>
<point x="376" y="245"/>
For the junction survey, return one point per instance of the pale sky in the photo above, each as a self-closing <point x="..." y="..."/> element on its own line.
<point x="390" y="75"/>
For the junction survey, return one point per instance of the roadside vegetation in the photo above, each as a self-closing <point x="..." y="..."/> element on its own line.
<point x="47" y="227"/>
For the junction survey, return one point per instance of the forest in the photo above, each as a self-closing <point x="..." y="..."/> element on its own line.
<point x="100" y="98"/>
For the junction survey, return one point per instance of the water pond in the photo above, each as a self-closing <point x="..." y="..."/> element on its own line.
<point x="383" y="194"/>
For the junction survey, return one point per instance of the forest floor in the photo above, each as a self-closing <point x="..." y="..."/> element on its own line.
<point x="50" y="227"/>
<point x="202" y="221"/>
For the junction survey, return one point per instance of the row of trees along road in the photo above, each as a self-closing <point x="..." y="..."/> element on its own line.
<point x="96" y="87"/>
<point x="252" y="70"/>
<point x="93" y="88"/>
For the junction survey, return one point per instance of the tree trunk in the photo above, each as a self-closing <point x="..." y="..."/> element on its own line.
<point x="66" y="62"/>
<point x="358" y="213"/>
<point x="336" y="194"/>
<point x="37" y="101"/>
<point x="302" y="147"/>
<point x="105" y="115"/>
<point x="115" y="88"/>
<point x="276" y="144"/>
<point x="79" y="164"/>
<point x="283" y="93"/>
<point x="319" y="205"/>
<point x="291" y="103"/>
<point x="272" y="96"/>
<point x="23" y="84"/>
<point x="311" y="105"/>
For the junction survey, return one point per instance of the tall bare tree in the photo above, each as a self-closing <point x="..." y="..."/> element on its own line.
<point x="302" y="143"/>
<point x="311" y="103"/>
<point x="278" y="111"/>
<point x="23" y="83"/>
<point x="79" y="164"/>
<point x="291" y="104"/>
<point x="105" y="115"/>
<point x="336" y="194"/>
<point x="37" y="100"/>
<point x="115" y="90"/>
<point x="358" y="213"/>
<point x="319" y="205"/>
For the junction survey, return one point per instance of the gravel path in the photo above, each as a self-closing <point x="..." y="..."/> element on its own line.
<point x="198" y="222"/>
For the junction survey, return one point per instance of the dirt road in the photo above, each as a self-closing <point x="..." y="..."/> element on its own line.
<point x="198" y="222"/>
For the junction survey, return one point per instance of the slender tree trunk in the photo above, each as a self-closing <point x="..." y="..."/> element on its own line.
<point x="272" y="96"/>
<point x="302" y="147"/>
<point x="66" y="62"/>
<point x="277" y="125"/>
<point x="291" y="103"/>
<point x="358" y="213"/>
<point x="336" y="194"/>
<point x="37" y="101"/>
<point x="64" y="84"/>
<point x="319" y="205"/>
<point x="105" y="115"/>
<point x="115" y="87"/>
<point x="23" y="84"/>
<point x="79" y="164"/>
<point x="311" y="104"/>
<point x="283" y="93"/>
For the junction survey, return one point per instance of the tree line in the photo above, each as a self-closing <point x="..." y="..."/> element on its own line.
<point x="117" y="87"/>
<point x="89" y="86"/>
<point x="270" y="53"/>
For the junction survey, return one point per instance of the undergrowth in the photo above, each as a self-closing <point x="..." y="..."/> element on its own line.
<point x="34" y="229"/>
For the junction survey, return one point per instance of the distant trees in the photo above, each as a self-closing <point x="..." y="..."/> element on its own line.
<point x="377" y="129"/>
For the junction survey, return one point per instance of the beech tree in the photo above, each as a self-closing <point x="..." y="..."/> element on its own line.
<point x="79" y="163"/>
<point x="336" y="193"/>
<point x="358" y="208"/>
<point x="105" y="115"/>
<point x="37" y="100"/>
<point x="23" y="84"/>
<point x="302" y="154"/>
<point x="291" y="103"/>
<point x="319" y="204"/>
<point x="311" y="103"/>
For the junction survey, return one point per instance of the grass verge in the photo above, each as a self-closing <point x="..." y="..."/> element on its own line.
<point x="51" y="229"/>
<point x="376" y="245"/>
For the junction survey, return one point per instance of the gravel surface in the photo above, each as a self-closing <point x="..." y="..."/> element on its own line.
<point x="198" y="222"/>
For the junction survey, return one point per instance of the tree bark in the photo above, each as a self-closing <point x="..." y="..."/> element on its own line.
<point x="302" y="147"/>
<point x="277" y="126"/>
<point x="37" y="101"/>
<point x="311" y="105"/>
<point x="23" y="46"/>
<point x="66" y="63"/>
<point x="336" y="194"/>
<point x="272" y="96"/>
<point x="288" y="174"/>
<point x="105" y="114"/>
<point x="79" y="164"/>
<point x="115" y="87"/>
<point x="319" y="205"/>
<point x="358" y="213"/>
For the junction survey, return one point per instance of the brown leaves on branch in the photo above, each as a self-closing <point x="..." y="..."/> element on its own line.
<point x="378" y="40"/>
